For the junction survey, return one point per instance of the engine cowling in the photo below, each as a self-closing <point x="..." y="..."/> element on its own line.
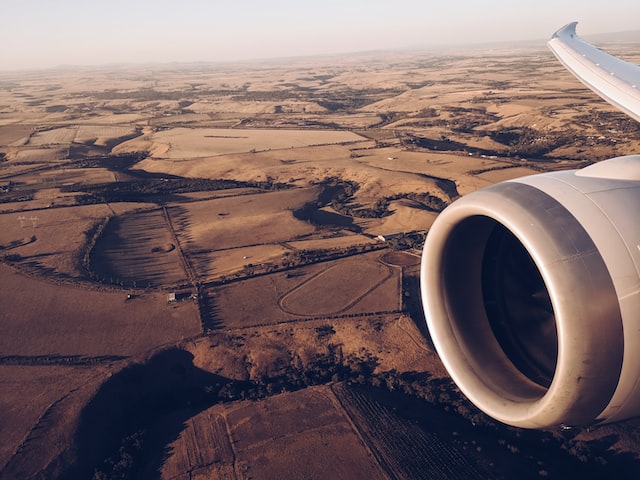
<point x="531" y="292"/>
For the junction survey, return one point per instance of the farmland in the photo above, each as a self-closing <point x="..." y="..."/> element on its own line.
<point x="210" y="270"/>
<point x="137" y="248"/>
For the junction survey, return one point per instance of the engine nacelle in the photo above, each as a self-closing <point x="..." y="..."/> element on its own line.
<point x="531" y="292"/>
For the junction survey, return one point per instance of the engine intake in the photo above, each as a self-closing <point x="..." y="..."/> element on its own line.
<point x="531" y="292"/>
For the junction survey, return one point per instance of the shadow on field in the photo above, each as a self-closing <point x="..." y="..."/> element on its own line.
<point x="412" y="303"/>
<point x="410" y="419"/>
<point x="111" y="440"/>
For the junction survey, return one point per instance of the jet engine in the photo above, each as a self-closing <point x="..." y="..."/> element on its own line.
<point x="531" y="293"/>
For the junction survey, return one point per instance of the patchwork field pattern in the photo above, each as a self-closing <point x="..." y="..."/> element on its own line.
<point x="246" y="240"/>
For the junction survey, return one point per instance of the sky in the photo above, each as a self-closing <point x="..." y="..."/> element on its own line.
<point x="48" y="33"/>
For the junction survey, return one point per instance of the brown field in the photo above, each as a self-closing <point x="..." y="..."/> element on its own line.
<point x="138" y="249"/>
<point x="63" y="177"/>
<point x="347" y="283"/>
<point x="221" y="236"/>
<point x="202" y="451"/>
<point x="402" y="447"/>
<point x="329" y="241"/>
<point x="355" y="285"/>
<point x="30" y="396"/>
<point x="279" y="429"/>
<point x="189" y="143"/>
<point x="227" y="223"/>
<point x="299" y="337"/>
<point x="41" y="318"/>
<point x="50" y="239"/>
<point x="263" y="437"/>
<point x="400" y="259"/>
<point x="38" y="155"/>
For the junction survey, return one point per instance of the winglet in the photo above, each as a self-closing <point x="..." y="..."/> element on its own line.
<point x="568" y="30"/>
<point x="616" y="81"/>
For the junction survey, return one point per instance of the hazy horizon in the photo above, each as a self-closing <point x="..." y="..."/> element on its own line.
<point x="38" y="34"/>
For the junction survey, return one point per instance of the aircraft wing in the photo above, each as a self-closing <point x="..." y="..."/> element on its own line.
<point x="615" y="80"/>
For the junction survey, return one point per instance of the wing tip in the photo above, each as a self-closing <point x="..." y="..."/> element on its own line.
<point x="569" y="30"/>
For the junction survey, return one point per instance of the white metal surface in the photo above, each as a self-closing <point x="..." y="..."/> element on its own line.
<point x="615" y="80"/>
